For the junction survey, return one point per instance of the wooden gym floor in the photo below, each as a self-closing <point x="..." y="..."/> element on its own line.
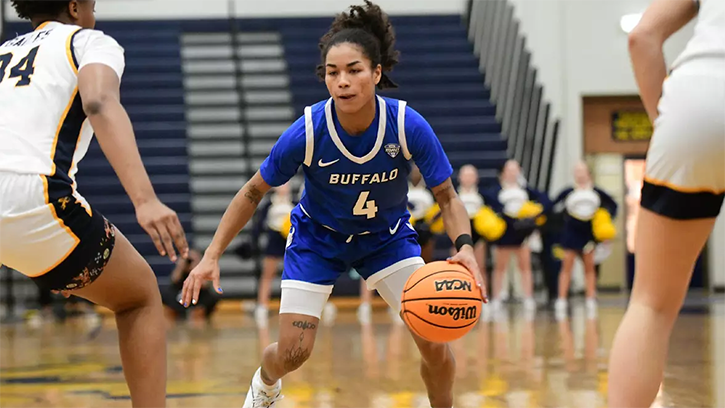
<point x="506" y="361"/>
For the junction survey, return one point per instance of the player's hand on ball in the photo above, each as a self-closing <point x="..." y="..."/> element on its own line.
<point x="467" y="258"/>
<point x="163" y="226"/>
<point x="207" y="270"/>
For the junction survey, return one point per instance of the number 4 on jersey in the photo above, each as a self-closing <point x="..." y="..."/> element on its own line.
<point x="23" y="70"/>
<point x="365" y="207"/>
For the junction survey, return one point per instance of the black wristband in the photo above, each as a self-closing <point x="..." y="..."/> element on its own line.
<point x="463" y="239"/>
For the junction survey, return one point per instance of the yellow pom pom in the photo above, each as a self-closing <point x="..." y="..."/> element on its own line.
<point x="412" y="220"/>
<point x="602" y="226"/>
<point x="434" y="218"/>
<point x="557" y="252"/>
<point x="530" y="209"/>
<point x="286" y="226"/>
<point x="489" y="225"/>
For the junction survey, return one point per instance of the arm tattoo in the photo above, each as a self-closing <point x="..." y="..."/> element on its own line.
<point x="254" y="195"/>
<point x="444" y="195"/>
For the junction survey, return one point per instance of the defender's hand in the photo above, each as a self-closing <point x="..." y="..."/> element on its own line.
<point x="163" y="226"/>
<point x="207" y="270"/>
<point x="467" y="258"/>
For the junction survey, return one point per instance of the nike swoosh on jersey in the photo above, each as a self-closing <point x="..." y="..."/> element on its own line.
<point x="395" y="229"/>
<point x="323" y="164"/>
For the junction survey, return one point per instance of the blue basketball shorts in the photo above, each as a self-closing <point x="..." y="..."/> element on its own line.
<point x="316" y="256"/>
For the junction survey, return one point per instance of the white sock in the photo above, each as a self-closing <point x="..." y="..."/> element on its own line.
<point x="259" y="383"/>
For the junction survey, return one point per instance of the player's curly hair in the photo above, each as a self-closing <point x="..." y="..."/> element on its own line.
<point x="28" y="9"/>
<point x="370" y="28"/>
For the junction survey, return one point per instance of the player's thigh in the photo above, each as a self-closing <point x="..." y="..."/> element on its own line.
<point x="683" y="190"/>
<point x="389" y="265"/>
<point x="126" y="282"/>
<point x="307" y="283"/>
<point x="307" y="277"/>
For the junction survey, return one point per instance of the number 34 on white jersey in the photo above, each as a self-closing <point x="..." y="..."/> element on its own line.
<point x="43" y="129"/>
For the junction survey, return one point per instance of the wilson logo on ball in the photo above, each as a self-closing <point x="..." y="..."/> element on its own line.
<point x="456" y="313"/>
<point x="454" y="284"/>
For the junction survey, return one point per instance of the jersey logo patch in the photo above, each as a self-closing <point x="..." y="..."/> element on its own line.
<point x="392" y="149"/>
<point x="395" y="228"/>
<point x="323" y="164"/>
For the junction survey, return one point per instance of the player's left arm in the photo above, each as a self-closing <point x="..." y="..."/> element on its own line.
<point x="428" y="154"/>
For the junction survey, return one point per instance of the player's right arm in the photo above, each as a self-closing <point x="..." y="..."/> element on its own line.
<point x="661" y="19"/>
<point x="99" y="80"/>
<point x="237" y="215"/>
<point x="281" y="165"/>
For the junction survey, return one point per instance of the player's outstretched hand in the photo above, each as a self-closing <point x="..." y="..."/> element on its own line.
<point x="207" y="270"/>
<point x="163" y="226"/>
<point x="467" y="258"/>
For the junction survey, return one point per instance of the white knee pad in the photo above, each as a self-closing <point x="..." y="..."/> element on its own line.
<point x="391" y="286"/>
<point x="304" y="298"/>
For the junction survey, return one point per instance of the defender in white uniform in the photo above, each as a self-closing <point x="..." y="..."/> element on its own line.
<point x="58" y="84"/>
<point x="683" y="190"/>
<point x="46" y="224"/>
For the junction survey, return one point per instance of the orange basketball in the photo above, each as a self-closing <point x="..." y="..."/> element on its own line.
<point x="441" y="302"/>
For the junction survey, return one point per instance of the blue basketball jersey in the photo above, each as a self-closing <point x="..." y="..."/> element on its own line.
<point x="357" y="184"/>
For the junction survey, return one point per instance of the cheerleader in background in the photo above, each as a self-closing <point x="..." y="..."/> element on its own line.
<point x="420" y="201"/>
<point x="520" y="207"/>
<point x="273" y="218"/>
<point x="586" y="209"/>
<point x="473" y="201"/>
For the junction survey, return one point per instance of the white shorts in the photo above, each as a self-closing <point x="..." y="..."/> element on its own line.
<point x="48" y="232"/>
<point x="309" y="299"/>
<point x="685" y="174"/>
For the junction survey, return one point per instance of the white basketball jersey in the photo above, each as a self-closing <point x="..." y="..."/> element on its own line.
<point x="43" y="128"/>
<point x="708" y="40"/>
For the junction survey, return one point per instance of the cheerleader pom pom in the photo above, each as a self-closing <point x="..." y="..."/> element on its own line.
<point x="434" y="218"/>
<point x="286" y="226"/>
<point x="530" y="209"/>
<point x="602" y="226"/>
<point x="488" y="224"/>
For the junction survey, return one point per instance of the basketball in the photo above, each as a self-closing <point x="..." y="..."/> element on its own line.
<point x="441" y="302"/>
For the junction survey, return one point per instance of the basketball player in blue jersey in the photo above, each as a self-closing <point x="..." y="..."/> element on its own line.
<point x="356" y="150"/>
